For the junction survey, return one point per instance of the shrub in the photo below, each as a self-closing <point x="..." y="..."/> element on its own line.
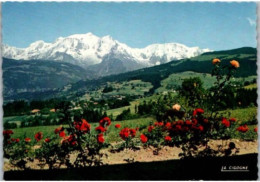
<point x="192" y="90"/>
<point x="10" y="125"/>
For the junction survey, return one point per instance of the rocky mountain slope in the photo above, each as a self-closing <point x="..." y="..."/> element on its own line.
<point x="103" y="55"/>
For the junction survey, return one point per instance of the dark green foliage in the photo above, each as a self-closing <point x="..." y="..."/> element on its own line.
<point x="108" y="89"/>
<point x="115" y="103"/>
<point x="126" y="115"/>
<point x="45" y="111"/>
<point x="192" y="89"/>
<point x="16" y="108"/>
<point x="34" y="121"/>
<point x="226" y="99"/>
<point x="159" y="107"/>
<point x="10" y="125"/>
<point x="93" y="115"/>
<point x="145" y="108"/>
<point x="22" y="107"/>
<point x="246" y="97"/>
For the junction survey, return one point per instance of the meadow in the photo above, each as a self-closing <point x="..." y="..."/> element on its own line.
<point x="243" y="116"/>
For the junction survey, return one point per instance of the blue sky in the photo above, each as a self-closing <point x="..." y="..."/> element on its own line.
<point x="218" y="26"/>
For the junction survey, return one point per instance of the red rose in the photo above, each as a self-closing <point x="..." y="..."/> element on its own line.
<point x="225" y="122"/>
<point x="17" y="140"/>
<point x="168" y="125"/>
<point x="255" y="129"/>
<point x="100" y="129"/>
<point x="69" y="140"/>
<point x="38" y="136"/>
<point x="13" y="139"/>
<point x="125" y="133"/>
<point x="62" y="134"/>
<point x="105" y="121"/>
<point x="194" y="113"/>
<point x="150" y="128"/>
<point x="194" y="121"/>
<point x="201" y="128"/>
<point x="243" y="128"/>
<point x="158" y="124"/>
<point x="27" y="140"/>
<point x="188" y="122"/>
<point x="133" y="132"/>
<point x="117" y="126"/>
<point x="167" y="138"/>
<point x="143" y="138"/>
<point x="82" y="126"/>
<point x="7" y="133"/>
<point x="85" y="126"/>
<point x="100" y="138"/>
<point x="198" y="111"/>
<point x="47" y="140"/>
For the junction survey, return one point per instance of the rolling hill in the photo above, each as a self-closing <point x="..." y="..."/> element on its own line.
<point x="155" y="75"/>
<point x="201" y="64"/>
<point x="25" y="77"/>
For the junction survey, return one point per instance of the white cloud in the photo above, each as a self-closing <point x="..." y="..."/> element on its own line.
<point x="251" y="22"/>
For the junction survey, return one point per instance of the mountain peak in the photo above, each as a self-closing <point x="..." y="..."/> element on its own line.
<point x="88" y="49"/>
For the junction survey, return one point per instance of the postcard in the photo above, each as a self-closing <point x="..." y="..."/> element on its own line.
<point x="129" y="91"/>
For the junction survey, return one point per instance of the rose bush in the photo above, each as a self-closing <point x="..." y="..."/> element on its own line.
<point x="192" y="129"/>
<point x="190" y="126"/>
<point x="75" y="140"/>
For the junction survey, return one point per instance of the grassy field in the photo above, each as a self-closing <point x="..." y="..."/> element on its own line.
<point x="111" y="134"/>
<point x="14" y="118"/>
<point x="117" y="111"/>
<point x="130" y="88"/>
<point x="243" y="116"/>
<point x="174" y="81"/>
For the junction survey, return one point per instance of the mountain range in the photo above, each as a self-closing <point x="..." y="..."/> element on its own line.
<point x="51" y="79"/>
<point x="78" y="63"/>
<point x="102" y="55"/>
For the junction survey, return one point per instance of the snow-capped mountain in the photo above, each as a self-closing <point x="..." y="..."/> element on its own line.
<point x="87" y="50"/>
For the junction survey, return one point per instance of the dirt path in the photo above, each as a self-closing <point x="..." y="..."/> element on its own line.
<point x="148" y="155"/>
<point x="168" y="153"/>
